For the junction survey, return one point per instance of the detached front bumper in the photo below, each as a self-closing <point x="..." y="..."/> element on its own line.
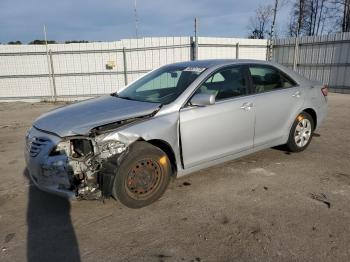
<point x="48" y="173"/>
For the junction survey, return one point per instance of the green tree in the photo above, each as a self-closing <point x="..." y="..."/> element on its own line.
<point x="76" y="41"/>
<point x="14" y="43"/>
<point x="260" y="23"/>
<point x="42" y="42"/>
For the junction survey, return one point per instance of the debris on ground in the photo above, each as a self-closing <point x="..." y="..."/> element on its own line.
<point x="91" y="195"/>
<point x="162" y="257"/>
<point x="9" y="237"/>
<point x="255" y="230"/>
<point x="321" y="198"/>
<point x="184" y="184"/>
<point x="225" y="220"/>
<point x="202" y="236"/>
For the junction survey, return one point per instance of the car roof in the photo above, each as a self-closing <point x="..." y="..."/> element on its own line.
<point x="214" y="63"/>
<point x="218" y="62"/>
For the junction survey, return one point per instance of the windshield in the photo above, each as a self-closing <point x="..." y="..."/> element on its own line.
<point x="163" y="85"/>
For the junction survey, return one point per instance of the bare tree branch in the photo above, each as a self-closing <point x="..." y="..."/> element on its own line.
<point x="313" y="17"/>
<point x="259" y="24"/>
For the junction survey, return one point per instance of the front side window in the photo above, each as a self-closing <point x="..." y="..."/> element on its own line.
<point x="226" y="83"/>
<point x="267" y="79"/>
<point x="163" y="85"/>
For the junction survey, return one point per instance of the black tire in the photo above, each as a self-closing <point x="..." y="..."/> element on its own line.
<point x="143" y="176"/>
<point x="292" y="145"/>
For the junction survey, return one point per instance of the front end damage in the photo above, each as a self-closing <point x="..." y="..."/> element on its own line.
<point x="81" y="167"/>
<point x="86" y="163"/>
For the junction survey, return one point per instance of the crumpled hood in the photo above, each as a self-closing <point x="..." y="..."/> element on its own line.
<point x="80" y="118"/>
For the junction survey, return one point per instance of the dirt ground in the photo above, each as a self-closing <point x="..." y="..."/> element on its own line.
<point x="269" y="206"/>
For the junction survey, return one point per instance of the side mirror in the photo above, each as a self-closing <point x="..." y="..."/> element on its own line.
<point x="203" y="99"/>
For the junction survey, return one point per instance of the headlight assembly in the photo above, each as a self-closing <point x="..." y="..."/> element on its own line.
<point x="75" y="148"/>
<point x="61" y="148"/>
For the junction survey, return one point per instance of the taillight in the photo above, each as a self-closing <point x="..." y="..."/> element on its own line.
<point x="324" y="90"/>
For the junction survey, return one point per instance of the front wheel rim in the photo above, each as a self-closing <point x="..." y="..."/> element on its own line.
<point x="302" y="133"/>
<point x="144" y="179"/>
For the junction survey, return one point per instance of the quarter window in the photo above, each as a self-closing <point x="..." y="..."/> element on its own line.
<point x="226" y="83"/>
<point x="267" y="79"/>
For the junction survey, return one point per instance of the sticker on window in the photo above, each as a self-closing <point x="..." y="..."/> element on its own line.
<point x="197" y="70"/>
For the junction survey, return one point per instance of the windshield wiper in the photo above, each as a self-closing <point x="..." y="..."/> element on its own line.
<point x="132" y="99"/>
<point x="122" y="97"/>
<point x="127" y="98"/>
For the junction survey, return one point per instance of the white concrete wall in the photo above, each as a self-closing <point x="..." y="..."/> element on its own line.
<point x="226" y="48"/>
<point x="80" y="69"/>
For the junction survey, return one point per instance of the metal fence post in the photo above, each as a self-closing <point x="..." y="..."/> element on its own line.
<point x="237" y="50"/>
<point x="195" y="56"/>
<point x="296" y="54"/>
<point x="48" y="61"/>
<point x="53" y="77"/>
<point x="270" y="50"/>
<point x="267" y="49"/>
<point x="192" y="55"/>
<point x="125" y="67"/>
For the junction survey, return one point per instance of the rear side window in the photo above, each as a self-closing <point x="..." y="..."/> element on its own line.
<point x="225" y="83"/>
<point x="266" y="79"/>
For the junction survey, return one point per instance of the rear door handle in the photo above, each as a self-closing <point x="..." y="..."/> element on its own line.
<point x="247" y="106"/>
<point x="296" y="94"/>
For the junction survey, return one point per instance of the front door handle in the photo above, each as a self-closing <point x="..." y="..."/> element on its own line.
<point x="247" y="106"/>
<point x="296" y="94"/>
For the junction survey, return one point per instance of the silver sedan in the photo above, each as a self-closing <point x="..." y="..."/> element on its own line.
<point x="171" y="122"/>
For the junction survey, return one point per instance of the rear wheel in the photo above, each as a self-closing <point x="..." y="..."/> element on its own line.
<point x="143" y="176"/>
<point x="301" y="133"/>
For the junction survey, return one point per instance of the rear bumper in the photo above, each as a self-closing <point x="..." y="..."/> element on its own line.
<point x="321" y="112"/>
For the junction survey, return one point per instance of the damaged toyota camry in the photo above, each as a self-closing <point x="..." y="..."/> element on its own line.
<point x="173" y="121"/>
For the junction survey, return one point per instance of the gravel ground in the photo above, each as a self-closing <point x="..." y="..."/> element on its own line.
<point x="269" y="206"/>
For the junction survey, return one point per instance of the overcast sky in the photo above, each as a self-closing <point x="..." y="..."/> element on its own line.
<point x="108" y="20"/>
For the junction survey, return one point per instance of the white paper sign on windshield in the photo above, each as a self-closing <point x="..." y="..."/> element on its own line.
<point x="194" y="69"/>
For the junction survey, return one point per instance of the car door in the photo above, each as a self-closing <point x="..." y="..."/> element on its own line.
<point x="276" y="101"/>
<point x="224" y="128"/>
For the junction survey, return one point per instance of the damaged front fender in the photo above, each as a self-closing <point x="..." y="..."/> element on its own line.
<point x="91" y="161"/>
<point x="86" y="165"/>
